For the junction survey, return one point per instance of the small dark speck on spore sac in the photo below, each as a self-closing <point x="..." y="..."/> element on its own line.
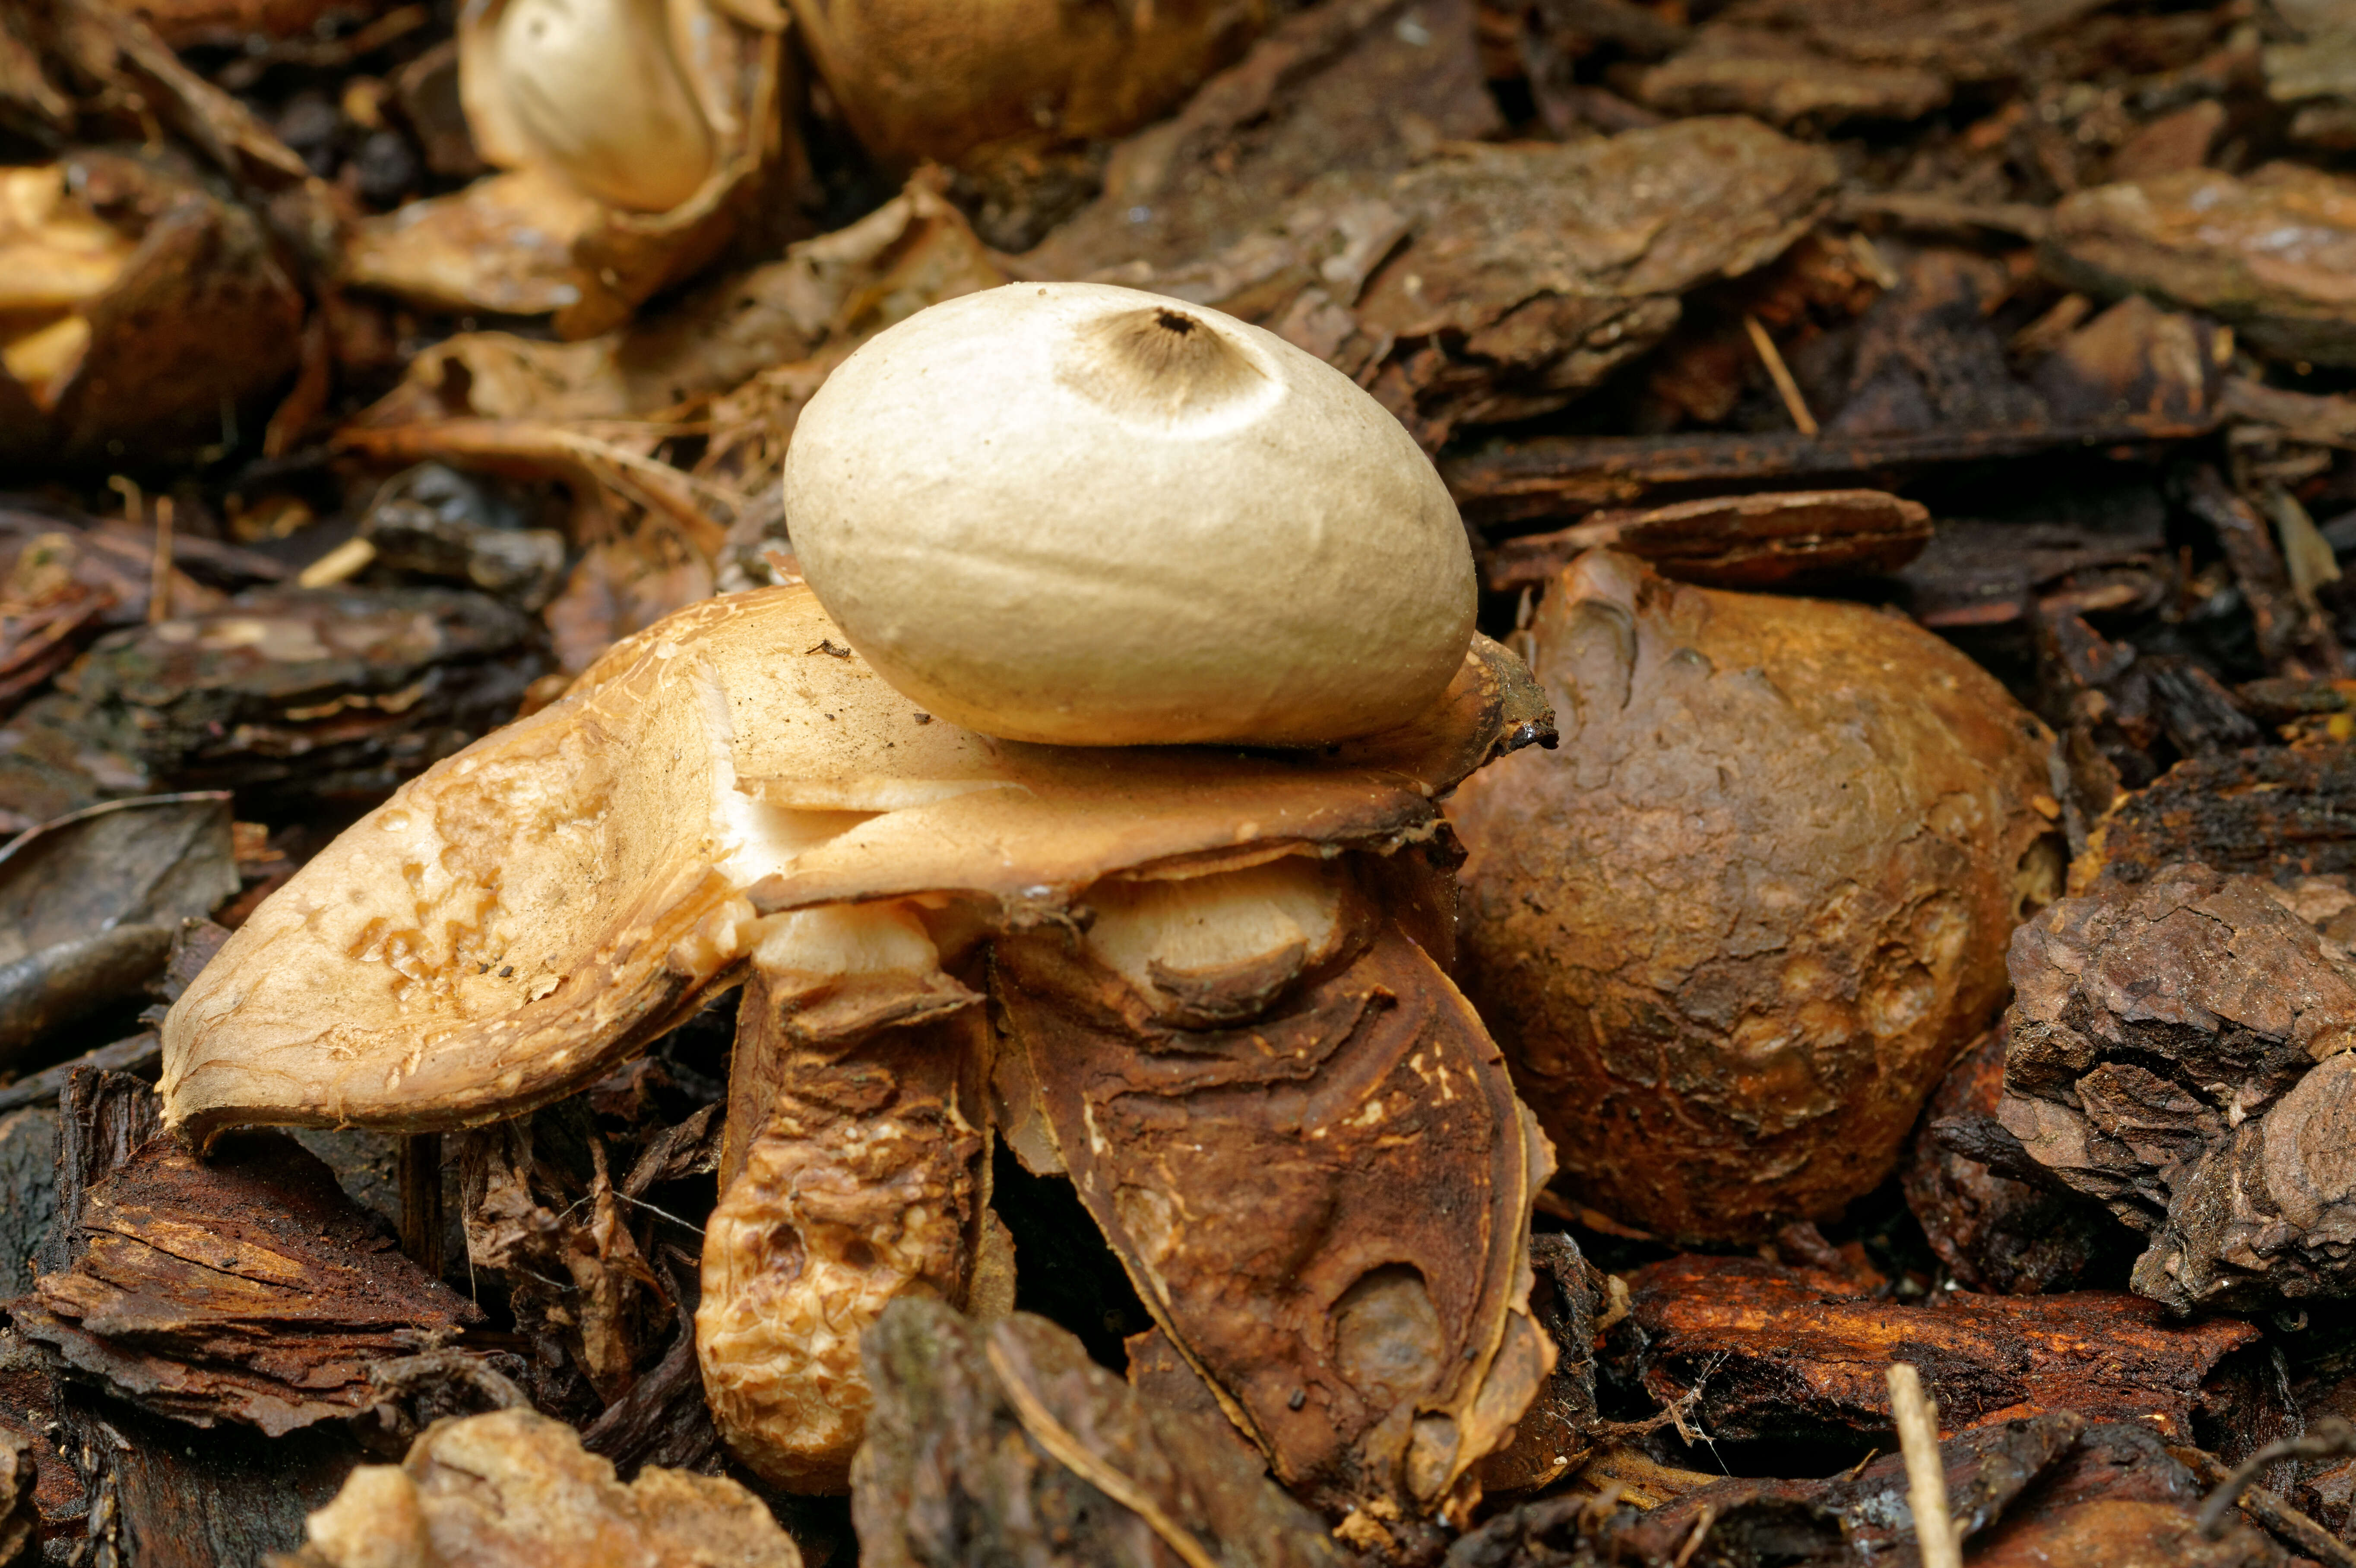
<point x="507" y="972"/>
<point x="927" y="718"/>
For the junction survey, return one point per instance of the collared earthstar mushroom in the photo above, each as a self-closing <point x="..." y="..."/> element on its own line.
<point x="1217" y="978"/>
<point x="1243" y="948"/>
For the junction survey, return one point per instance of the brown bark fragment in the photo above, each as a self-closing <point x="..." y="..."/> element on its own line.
<point x="2265" y="253"/>
<point x="1746" y="71"/>
<point x="2180" y="1051"/>
<point x="1339" y="87"/>
<point x="1993" y="1231"/>
<point x="1735" y="930"/>
<point x="1324" y="1203"/>
<point x="246" y="1289"/>
<point x="1550" y="477"/>
<point x="134" y="1485"/>
<point x="1558" y="1431"/>
<point x="2037" y="1491"/>
<point x="1498" y="282"/>
<point x="1749" y="541"/>
<point x="2272" y="812"/>
<point x="1006" y="1444"/>
<point x="1783" y="1353"/>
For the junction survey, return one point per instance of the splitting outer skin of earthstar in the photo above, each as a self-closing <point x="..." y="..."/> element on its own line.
<point x="1084" y="514"/>
<point x="733" y="795"/>
<point x="1734" y="934"/>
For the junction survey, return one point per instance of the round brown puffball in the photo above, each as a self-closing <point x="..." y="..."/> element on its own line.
<point x="1732" y="933"/>
<point x="1093" y="517"/>
<point x="936" y="78"/>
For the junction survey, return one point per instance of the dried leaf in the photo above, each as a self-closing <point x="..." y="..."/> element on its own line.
<point x="838" y="289"/>
<point x="89" y="905"/>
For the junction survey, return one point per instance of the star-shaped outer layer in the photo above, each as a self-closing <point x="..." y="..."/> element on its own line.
<point x="552" y="898"/>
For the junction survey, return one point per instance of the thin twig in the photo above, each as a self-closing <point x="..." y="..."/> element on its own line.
<point x="1781" y="374"/>
<point x="159" y="568"/>
<point x="135" y="506"/>
<point x="1926" y="1473"/>
<point x="419" y="1173"/>
<point x="2325" y="1438"/>
<point x="341" y="564"/>
<point x="1707" y="1516"/>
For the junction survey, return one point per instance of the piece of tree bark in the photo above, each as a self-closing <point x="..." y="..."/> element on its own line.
<point x="1550" y="476"/>
<point x="2274" y="812"/>
<point x="1781" y="1353"/>
<point x="1766" y="541"/>
<point x="2181" y="1049"/>
<point x="246" y="1287"/>
<point x="1994" y="1231"/>
<point x="1341" y="88"/>
<point x="28" y="1192"/>
<point x="1558" y="1431"/>
<point x="2264" y="253"/>
<point x="153" y="1492"/>
<point x="2027" y="1492"/>
<point x="1006" y="1444"/>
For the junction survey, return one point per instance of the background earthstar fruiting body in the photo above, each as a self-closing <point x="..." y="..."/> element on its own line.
<point x="941" y="79"/>
<point x="592" y="91"/>
<point x="1732" y="931"/>
<point x="1089" y="516"/>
